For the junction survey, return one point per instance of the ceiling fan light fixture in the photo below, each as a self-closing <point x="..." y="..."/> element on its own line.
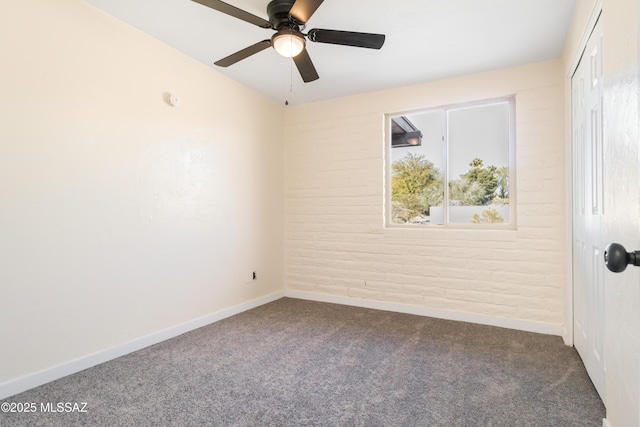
<point x="288" y="43"/>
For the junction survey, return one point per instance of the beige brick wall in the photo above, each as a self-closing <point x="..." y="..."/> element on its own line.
<point x="336" y="242"/>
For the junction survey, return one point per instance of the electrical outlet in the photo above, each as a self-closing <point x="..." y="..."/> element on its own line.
<point x="250" y="276"/>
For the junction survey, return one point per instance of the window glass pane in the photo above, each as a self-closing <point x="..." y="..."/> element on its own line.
<point x="451" y="165"/>
<point x="417" y="172"/>
<point x="478" y="164"/>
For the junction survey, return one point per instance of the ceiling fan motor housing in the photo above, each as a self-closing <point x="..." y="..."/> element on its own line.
<point x="278" y="12"/>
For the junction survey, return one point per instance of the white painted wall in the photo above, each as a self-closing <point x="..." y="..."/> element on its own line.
<point x="622" y="196"/>
<point x="121" y="216"/>
<point x="335" y="240"/>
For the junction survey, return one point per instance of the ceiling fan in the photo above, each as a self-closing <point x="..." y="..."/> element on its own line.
<point x="289" y="18"/>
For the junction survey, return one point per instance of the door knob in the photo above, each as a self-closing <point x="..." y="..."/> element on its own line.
<point x="616" y="257"/>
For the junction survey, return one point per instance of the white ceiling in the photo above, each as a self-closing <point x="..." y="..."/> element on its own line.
<point x="426" y="40"/>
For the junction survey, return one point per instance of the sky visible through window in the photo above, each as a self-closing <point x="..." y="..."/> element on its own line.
<point x="476" y="132"/>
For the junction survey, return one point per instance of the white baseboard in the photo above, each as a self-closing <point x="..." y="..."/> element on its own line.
<point x="522" y="325"/>
<point x="567" y="336"/>
<point x="18" y="385"/>
<point x="606" y="423"/>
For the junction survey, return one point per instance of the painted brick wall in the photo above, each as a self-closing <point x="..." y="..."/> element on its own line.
<point x="336" y="242"/>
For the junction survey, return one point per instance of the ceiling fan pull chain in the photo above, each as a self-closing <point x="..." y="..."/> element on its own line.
<point x="290" y="79"/>
<point x="286" y="101"/>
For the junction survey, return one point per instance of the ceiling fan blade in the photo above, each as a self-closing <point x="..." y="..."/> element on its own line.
<point x="303" y="9"/>
<point x="244" y="53"/>
<point x="347" y="38"/>
<point x="235" y="12"/>
<point x="305" y="67"/>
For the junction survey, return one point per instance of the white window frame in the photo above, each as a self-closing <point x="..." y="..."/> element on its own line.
<point x="511" y="225"/>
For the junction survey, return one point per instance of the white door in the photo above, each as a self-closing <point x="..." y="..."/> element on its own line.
<point x="588" y="267"/>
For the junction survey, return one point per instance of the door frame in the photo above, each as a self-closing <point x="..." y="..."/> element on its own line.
<point x="577" y="56"/>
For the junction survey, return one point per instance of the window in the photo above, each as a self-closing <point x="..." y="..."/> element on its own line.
<point x="452" y="165"/>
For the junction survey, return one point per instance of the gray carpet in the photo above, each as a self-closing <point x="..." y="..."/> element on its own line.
<point x="302" y="363"/>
